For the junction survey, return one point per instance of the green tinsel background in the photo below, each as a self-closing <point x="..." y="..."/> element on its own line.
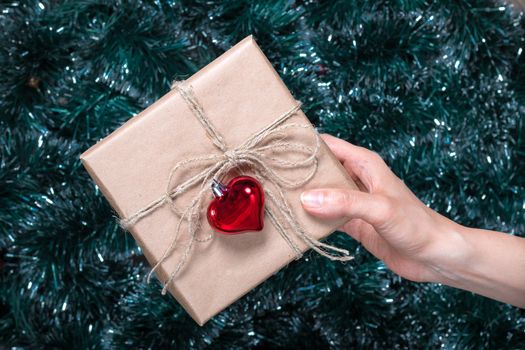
<point x="437" y="88"/>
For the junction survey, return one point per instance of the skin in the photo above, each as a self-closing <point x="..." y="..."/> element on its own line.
<point x="413" y="240"/>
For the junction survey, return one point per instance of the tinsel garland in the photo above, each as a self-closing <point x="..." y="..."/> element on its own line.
<point x="437" y="88"/>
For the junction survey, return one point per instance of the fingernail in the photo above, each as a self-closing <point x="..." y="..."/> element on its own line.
<point x="312" y="199"/>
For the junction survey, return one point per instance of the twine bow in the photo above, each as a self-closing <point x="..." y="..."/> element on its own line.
<point x="253" y="154"/>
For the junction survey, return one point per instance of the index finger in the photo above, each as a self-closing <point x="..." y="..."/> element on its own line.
<point x="361" y="163"/>
<point x="345" y="150"/>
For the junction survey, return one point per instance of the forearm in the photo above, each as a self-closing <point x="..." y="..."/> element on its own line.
<point x="485" y="262"/>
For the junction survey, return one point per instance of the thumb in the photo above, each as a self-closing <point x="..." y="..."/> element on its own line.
<point x="332" y="203"/>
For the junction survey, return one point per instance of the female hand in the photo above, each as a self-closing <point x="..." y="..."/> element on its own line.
<point x="385" y="216"/>
<point x="413" y="240"/>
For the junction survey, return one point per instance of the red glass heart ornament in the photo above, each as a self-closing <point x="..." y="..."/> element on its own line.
<point x="238" y="206"/>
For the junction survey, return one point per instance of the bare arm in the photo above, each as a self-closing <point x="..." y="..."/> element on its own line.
<point x="413" y="240"/>
<point x="492" y="264"/>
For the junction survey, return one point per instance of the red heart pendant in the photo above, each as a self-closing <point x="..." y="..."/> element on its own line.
<point x="238" y="206"/>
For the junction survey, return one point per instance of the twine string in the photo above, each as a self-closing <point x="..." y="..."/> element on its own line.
<point x="252" y="154"/>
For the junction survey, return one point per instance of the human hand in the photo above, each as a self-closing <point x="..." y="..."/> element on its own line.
<point x="385" y="216"/>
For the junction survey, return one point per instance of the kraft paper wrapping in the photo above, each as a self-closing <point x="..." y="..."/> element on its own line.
<point x="241" y="93"/>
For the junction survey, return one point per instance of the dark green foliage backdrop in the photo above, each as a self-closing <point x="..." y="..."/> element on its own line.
<point x="437" y="88"/>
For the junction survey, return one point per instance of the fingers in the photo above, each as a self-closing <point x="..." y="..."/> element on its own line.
<point x="370" y="215"/>
<point x="336" y="203"/>
<point x="344" y="150"/>
<point x="366" y="165"/>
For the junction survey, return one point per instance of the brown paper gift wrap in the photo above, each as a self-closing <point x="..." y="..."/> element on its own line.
<point x="241" y="93"/>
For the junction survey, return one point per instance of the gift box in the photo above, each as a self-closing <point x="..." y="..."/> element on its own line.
<point x="238" y="95"/>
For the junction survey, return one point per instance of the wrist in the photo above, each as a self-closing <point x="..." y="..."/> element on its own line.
<point x="485" y="262"/>
<point x="450" y="253"/>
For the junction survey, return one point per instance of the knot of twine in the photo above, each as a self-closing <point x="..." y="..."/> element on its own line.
<point x="253" y="154"/>
<point x="232" y="156"/>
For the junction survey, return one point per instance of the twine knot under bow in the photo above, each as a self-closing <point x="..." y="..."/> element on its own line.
<point x="232" y="155"/>
<point x="254" y="154"/>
